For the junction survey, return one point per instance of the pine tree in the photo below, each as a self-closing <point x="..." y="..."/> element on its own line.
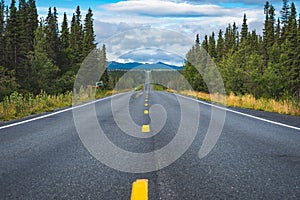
<point x="220" y="46"/>
<point x="12" y="36"/>
<point x="76" y="37"/>
<point x="234" y="36"/>
<point x="277" y="32"/>
<point x="65" y="35"/>
<point x="197" y="39"/>
<point x="89" y="35"/>
<point x="205" y="43"/>
<point x="289" y="61"/>
<point x="285" y="13"/>
<point x="51" y="30"/>
<point x="32" y="23"/>
<point x="227" y="41"/>
<point x="44" y="72"/>
<point x="2" y="33"/>
<point x="244" y="32"/>
<point x="268" y="32"/>
<point x="103" y="65"/>
<point x="212" y="46"/>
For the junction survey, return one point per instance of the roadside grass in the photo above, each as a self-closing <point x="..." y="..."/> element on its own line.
<point x="157" y="87"/>
<point x="17" y="106"/>
<point x="250" y="102"/>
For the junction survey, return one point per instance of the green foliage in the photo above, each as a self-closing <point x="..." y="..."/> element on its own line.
<point x="44" y="71"/>
<point x="265" y="66"/>
<point x="7" y="82"/>
<point x="20" y="105"/>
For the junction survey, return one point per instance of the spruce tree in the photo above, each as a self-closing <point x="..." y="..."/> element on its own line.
<point x="285" y="13"/>
<point x="2" y="33"/>
<point x="220" y="46"/>
<point x="205" y="43"/>
<point x="244" y="31"/>
<point x="65" y="35"/>
<point x="88" y="35"/>
<point x="76" y="37"/>
<point x="51" y="30"/>
<point x="44" y="72"/>
<point x="212" y="46"/>
<point x="12" y="36"/>
<point x="277" y="34"/>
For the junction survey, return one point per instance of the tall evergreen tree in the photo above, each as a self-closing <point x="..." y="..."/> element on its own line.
<point x="205" y="43"/>
<point x="51" y="30"/>
<point x="2" y="33"/>
<point x="285" y="13"/>
<point x="44" y="72"/>
<point x="212" y="46"/>
<point x="76" y="37"/>
<point x="244" y="31"/>
<point x="197" y="39"/>
<point x="277" y="34"/>
<point x="65" y="35"/>
<point x="220" y="46"/>
<point x="88" y="35"/>
<point x="65" y="51"/>
<point x="32" y="22"/>
<point x="11" y="36"/>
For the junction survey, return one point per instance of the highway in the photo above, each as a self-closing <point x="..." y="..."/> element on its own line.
<point x="45" y="158"/>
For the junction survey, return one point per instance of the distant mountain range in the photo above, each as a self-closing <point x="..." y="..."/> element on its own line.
<point x="136" y="65"/>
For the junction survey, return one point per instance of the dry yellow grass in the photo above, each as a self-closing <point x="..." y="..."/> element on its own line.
<point x="249" y="101"/>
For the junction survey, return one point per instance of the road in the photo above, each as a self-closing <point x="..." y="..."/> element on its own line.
<point x="252" y="159"/>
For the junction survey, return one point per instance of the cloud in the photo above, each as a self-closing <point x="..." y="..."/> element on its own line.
<point x="152" y="56"/>
<point x="246" y="2"/>
<point x="162" y="8"/>
<point x="137" y="24"/>
<point x="152" y="39"/>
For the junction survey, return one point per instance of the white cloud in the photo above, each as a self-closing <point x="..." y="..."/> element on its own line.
<point x="120" y="25"/>
<point x="162" y="8"/>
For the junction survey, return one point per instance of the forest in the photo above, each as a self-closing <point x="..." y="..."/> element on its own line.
<point x="36" y="54"/>
<point x="265" y="66"/>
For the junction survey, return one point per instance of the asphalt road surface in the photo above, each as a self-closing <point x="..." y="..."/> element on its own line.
<point x="253" y="159"/>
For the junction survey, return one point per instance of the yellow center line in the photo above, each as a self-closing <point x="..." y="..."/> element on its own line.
<point x="140" y="190"/>
<point x="146" y="104"/>
<point x="146" y="112"/>
<point x="145" y="128"/>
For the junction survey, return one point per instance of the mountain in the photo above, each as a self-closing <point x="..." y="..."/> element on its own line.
<point x="145" y="66"/>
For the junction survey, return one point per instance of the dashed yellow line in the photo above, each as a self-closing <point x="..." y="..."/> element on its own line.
<point x="146" y="104"/>
<point x="145" y="128"/>
<point x="146" y="112"/>
<point x="140" y="190"/>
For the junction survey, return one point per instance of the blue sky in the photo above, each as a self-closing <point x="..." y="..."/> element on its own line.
<point x="188" y="17"/>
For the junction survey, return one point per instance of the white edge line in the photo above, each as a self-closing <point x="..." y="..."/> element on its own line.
<point x="57" y="112"/>
<point x="92" y="102"/>
<point x="240" y="113"/>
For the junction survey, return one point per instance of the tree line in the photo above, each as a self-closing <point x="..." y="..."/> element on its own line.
<point x="36" y="54"/>
<point x="265" y="65"/>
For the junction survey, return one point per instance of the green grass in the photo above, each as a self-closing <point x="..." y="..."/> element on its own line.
<point x="157" y="87"/>
<point x="18" y="105"/>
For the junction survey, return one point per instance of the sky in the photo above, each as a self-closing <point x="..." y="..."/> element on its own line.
<point x="115" y="18"/>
